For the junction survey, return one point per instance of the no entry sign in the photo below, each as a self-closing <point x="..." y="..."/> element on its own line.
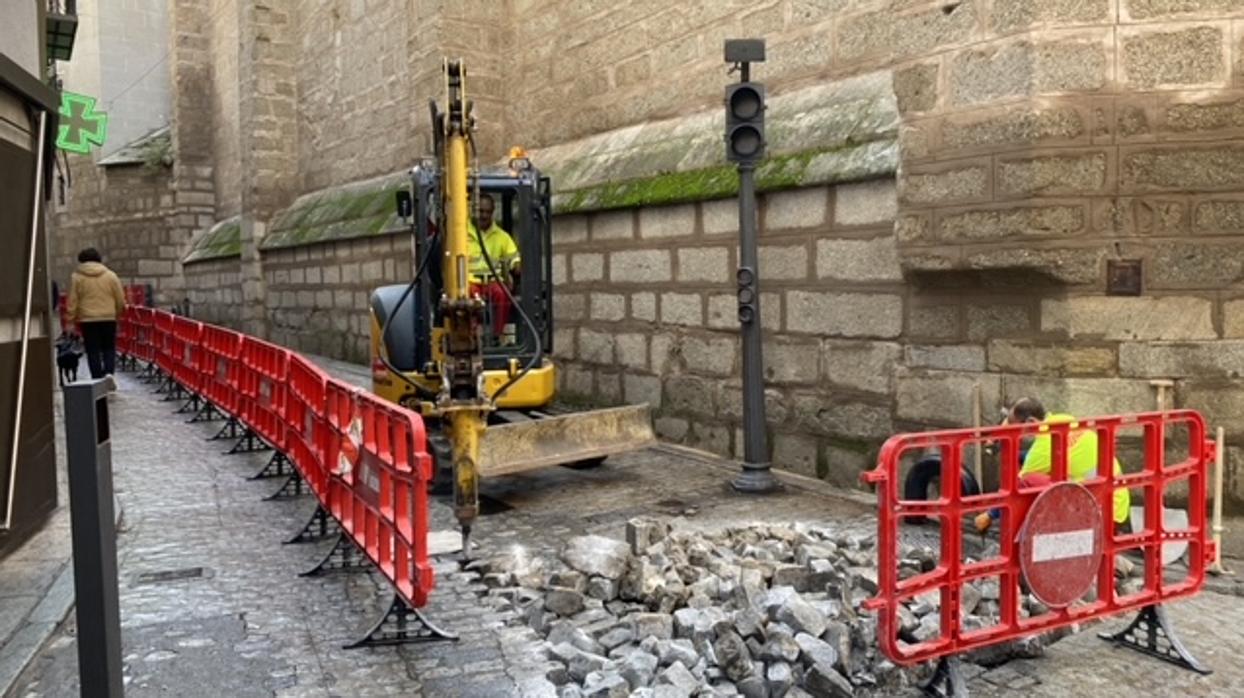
<point x="1060" y="544"/>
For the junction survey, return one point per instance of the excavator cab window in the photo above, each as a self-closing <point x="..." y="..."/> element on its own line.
<point x="521" y="209"/>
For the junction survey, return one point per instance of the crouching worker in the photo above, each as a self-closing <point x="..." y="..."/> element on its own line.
<point x="1037" y="463"/>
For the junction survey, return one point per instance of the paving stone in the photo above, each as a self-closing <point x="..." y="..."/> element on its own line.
<point x="823" y="681"/>
<point x="597" y="555"/>
<point x="801" y="616"/>
<point x="680" y="677"/>
<point x="563" y="602"/>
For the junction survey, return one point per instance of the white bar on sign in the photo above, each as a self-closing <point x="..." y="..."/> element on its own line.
<point x="1061" y="546"/>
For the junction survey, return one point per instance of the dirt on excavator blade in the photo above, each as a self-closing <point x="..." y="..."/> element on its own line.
<point x="568" y="438"/>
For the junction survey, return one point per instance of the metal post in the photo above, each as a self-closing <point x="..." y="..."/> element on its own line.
<point x="36" y="217"/>
<point x="756" y="475"/>
<point x="94" y="539"/>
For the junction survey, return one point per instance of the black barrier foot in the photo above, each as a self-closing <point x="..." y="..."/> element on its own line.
<point x="194" y="404"/>
<point x="319" y="527"/>
<point x="177" y="394"/>
<point x="947" y="680"/>
<point x="1151" y="633"/>
<point x="249" y="443"/>
<point x="291" y="489"/>
<point x="166" y="384"/>
<point x="148" y="374"/>
<point x="344" y="557"/>
<point x="401" y="625"/>
<point x="229" y="431"/>
<point x="206" y="413"/>
<point x="277" y="466"/>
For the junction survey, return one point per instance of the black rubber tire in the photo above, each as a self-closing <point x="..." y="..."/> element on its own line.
<point x="928" y="471"/>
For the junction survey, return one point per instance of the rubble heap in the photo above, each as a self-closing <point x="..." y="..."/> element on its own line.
<point x="760" y="610"/>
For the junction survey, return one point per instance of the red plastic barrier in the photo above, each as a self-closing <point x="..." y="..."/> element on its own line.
<point x="307" y="429"/>
<point x="264" y="371"/>
<point x="136" y="295"/>
<point x="139" y="324"/>
<point x="379" y="486"/>
<point x="163" y="341"/>
<point x="219" y="368"/>
<point x="125" y="333"/>
<point x="1016" y="502"/>
<point x="364" y="458"/>
<point x="62" y="307"/>
<point x="186" y="347"/>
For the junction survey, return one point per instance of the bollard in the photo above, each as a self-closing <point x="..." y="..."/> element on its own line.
<point x="94" y="539"/>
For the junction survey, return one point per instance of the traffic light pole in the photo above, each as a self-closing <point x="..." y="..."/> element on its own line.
<point x="756" y="475"/>
<point x="745" y="147"/>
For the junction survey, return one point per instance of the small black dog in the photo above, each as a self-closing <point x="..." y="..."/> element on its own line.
<point x="68" y="354"/>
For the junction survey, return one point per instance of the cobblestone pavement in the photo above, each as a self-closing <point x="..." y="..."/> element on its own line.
<point x="249" y="626"/>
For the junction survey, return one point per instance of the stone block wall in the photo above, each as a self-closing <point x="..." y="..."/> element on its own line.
<point x="124" y="212"/>
<point x="317" y="294"/>
<point x="645" y="312"/>
<point x="1060" y="135"/>
<point x="226" y="141"/>
<point x="214" y="292"/>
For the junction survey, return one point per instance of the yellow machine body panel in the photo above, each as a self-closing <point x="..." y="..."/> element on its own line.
<point x="535" y="389"/>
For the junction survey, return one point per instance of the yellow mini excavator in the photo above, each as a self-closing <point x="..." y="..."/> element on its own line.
<point x="441" y="346"/>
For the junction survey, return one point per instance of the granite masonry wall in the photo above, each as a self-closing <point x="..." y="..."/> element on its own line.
<point x="964" y="241"/>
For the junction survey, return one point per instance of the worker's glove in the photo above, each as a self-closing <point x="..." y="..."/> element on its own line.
<point x="983" y="522"/>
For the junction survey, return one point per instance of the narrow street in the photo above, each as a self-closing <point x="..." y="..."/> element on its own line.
<point x="212" y="603"/>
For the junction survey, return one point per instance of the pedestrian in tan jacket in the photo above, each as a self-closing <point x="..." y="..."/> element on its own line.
<point x="96" y="300"/>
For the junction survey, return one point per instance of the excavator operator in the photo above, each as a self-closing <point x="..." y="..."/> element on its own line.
<point x="502" y="252"/>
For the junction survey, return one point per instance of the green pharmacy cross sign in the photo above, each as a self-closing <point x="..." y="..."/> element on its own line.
<point x="80" y="124"/>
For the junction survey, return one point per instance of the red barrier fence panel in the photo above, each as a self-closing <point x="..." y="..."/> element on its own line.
<point x="264" y="372"/>
<point x="1057" y="535"/>
<point x="365" y="459"/>
<point x="141" y="322"/>
<point x="125" y="332"/>
<point x="62" y="308"/>
<point x="306" y="426"/>
<point x="220" y="361"/>
<point x="136" y="295"/>
<point x="162" y="339"/>
<point x="379" y="486"/>
<point x="185" y="351"/>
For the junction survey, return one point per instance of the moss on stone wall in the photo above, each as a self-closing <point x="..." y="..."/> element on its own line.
<point x="222" y="241"/>
<point x="801" y="169"/>
<point x="355" y="210"/>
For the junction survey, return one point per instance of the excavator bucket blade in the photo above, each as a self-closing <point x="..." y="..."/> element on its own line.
<point x="568" y="438"/>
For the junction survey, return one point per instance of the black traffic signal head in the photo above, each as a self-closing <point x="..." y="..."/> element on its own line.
<point x="745" y="122"/>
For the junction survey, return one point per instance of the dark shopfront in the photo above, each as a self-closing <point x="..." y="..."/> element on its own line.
<point x="27" y="481"/>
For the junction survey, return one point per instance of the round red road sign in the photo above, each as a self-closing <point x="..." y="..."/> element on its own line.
<point x="1060" y="544"/>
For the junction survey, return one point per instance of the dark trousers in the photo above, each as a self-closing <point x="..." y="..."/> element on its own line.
<point x="100" y="341"/>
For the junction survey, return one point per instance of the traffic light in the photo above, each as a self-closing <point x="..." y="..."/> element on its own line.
<point x="745" y="122"/>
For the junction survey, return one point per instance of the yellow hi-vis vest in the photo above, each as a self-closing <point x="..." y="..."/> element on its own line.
<point x="501" y="250"/>
<point x="1081" y="461"/>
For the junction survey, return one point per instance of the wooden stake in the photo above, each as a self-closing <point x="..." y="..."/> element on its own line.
<point x="1163" y="385"/>
<point x="978" y="463"/>
<point x="1219" y="459"/>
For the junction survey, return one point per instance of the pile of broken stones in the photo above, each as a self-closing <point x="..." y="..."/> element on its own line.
<point x="760" y="610"/>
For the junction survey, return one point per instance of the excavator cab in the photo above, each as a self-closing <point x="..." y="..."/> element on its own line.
<point x="522" y="202"/>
